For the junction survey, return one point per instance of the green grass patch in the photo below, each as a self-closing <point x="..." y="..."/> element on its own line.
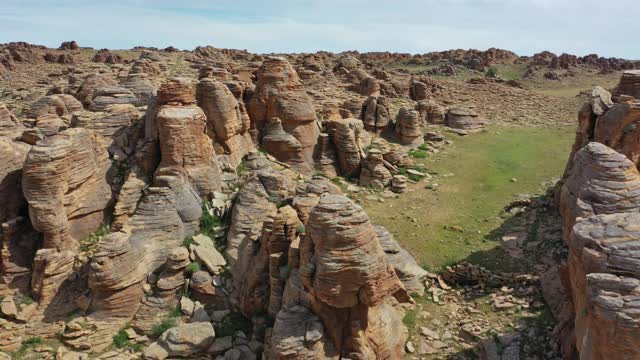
<point x="121" y="340"/>
<point x="187" y="241"/>
<point x="418" y="154"/>
<point x="474" y="184"/>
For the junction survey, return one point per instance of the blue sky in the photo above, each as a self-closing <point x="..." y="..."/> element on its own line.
<point x="608" y="28"/>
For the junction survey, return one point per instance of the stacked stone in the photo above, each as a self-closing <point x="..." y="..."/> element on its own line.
<point x="399" y="184"/>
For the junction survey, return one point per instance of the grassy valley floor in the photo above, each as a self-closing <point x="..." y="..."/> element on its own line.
<point x="472" y="180"/>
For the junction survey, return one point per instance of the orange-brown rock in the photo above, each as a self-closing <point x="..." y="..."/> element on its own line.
<point x="373" y="172"/>
<point x="348" y="136"/>
<point x="375" y="114"/>
<point x="280" y="93"/>
<point x="464" y="119"/>
<point x="9" y="125"/>
<point x="65" y="183"/>
<point x="344" y="268"/>
<point x="90" y="85"/>
<point x="408" y="129"/>
<point x="227" y="120"/>
<point x="430" y="112"/>
<point x="58" y="105"/>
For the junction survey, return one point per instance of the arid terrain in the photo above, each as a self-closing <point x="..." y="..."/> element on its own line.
<point x="219" y="204"/>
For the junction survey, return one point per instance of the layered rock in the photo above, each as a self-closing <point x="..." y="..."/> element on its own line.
<point x="347" y="136"/>
<point x="375" y="114"/>
<point x="430" y="112"/>
<point x="464" y="119"/>
<point x="9" y="125"/>
<point x="62" y="106"/>
<point x="408" y="129"/>
<point x="89" y="87"/>
<point x="605" y="285"/>
<point x="629" y="84"/>
<point x="227" y="120"/>
<point x="65" y="183"/>
<point x="280" y="93"/>
<point x="108" y="96"/>
<point x="373" y="172"/>
<point x="107" y="123"/>
<point x="18" y="247"/>
<point x="345" y="271"/>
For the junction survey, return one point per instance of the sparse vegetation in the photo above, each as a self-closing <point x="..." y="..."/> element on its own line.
<point x="192" y="268"/>
<point x="300" y="229"/>
<point x="418" y="154"/>
<point x="121" y="340"/>
<point x="92" y="240"/>
<point x="492" y="72"/>
<point x="231" y="324"/>
<point x="158" y="329"/>
<point x="187" y="241"/>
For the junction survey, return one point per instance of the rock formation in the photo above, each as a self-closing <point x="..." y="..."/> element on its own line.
<point x="65" y="183"/>
<point x="408" y="128"/>
<point x="599" y="200"/>
<point x="430" y="112"/>
<point x="227" y="120"/>
<point x="280" y="94"/>
<point x="373" y="172"/>
<point x="375" y="114"/>
<point x="463" y="119"/>
<point x="338" y="233"/>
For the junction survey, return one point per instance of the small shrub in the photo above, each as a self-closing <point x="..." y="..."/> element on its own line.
<point x="33" y="341"/>
<point x="300" y="229"/>
<point x="164" y="325"/>
<point x="121" y="339"/>
<point x="187" y="241"/>
<point x="208" y="222"/>
<point x="491" y="72"/>
<point x="192" y="268"/>
<point x="423" y="147"/>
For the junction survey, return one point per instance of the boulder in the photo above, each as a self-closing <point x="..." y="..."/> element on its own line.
<point x="373" y="172"/>
<point x="181" y="341"/>
<point x="408" y="129"/>
<point x="464" y="119"/>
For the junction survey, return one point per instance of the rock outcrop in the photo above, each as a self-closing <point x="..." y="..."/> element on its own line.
<point x="599" y="201"/>
<point x="65" y="183"/>
<point x="227" y="120"/>
<point x="464" y="119"/>
<point x="280" y="94"/>
<point x="375" y="114"/>
<point x="408" y="128"/>
<point x="346" y="273"/>
<point x="373" y="172"/>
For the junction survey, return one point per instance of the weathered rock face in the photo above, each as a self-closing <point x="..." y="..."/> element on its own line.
<point x="430" y="112"/>
<point x="227" y="120"/>
<point x="280" y="93"/>
<point x="347" y="136"/>
<point x="419" y="91"/>
<point x="90" y="85"/>
<point x="605" y="285"/>
<point x="109" y="122"/>
<point x="109" y="96"/>
<point x="629" y="84"/>
<point x="18" y="247"/>
<point x="9" y="125"/>
<point x="408" y="128"/>
<point x="346" y="273"/>
<point x="141" y="86"/>
<point x="375" y="114"/>
<point x="62" y="106"/>
<point x="602" y="182"/>
<point x="65" y="183"/>
<point x="464" y="119"/>
<point x="409" y="272"/>
<point x="182" y="341"/>
<point x="373" y="172"/>
<point x="599" y="201"/>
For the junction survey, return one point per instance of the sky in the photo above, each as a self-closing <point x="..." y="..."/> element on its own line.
<point x="608" y="28"/>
